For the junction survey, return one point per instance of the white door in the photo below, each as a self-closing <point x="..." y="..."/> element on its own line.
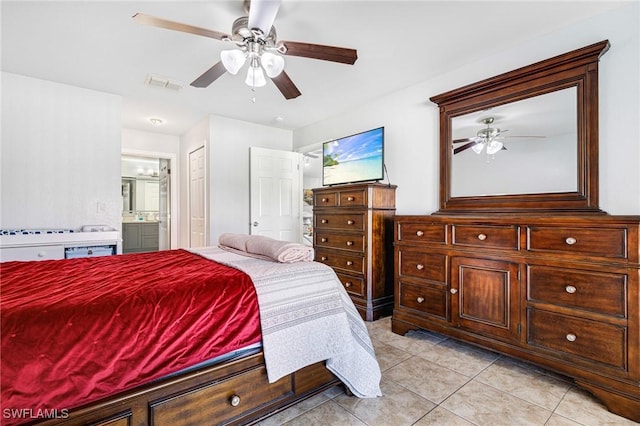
<point x="164" y="205"/>
<point x="197" y="211"/>
<point x="276" y="194"/>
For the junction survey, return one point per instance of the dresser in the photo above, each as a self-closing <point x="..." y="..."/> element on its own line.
<point x="41" y="245"/>
<point x="561" y="292"/>
<point x="353" y="234"/>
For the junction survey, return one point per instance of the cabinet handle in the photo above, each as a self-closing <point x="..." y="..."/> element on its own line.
<point x="482" y="237"/>
<point x="349" y="263"/>
<point x="234" y="400"/>
<point x="42" y="253"/>
<point x="324" y="240"/>
<point x="571" y="241"/>
<point x="419" y="233"/>
<point x="350" y="222"/>
<point x="419" y="266"/>
<point x="324" y="221"/>
<point x="325" y="200"/>
<point x="453" y="290"/>
<point x="571" y="337"/>
<point x="570" y="289"/>
<point x="323" y="258"/>
<point x="420" y="299"/>
<point x="349" y="243"/>
<point x="350" y="198"/>
<point x="348" y="284"/>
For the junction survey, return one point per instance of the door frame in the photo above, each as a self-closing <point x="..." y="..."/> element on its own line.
<point x="174" y="194"/>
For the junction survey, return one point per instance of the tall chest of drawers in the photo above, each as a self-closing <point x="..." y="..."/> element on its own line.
<point x="353" y="233"/>
<point x="561" y="292"/>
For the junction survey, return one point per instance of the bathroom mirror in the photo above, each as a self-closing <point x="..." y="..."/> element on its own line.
<point x="526" y="140"/>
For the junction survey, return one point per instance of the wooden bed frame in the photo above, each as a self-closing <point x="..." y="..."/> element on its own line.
<point x="233" y="392"/>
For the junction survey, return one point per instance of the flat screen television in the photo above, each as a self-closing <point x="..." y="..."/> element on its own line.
<point x="355" y="158"/>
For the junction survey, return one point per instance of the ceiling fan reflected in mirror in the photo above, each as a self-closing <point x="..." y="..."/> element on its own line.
<point x="256" y="44"/>
<point x="488" y="138"/>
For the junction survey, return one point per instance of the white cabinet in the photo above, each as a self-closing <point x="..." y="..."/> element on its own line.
<point x="52" y="246"/>
<point x="31" y="253"/>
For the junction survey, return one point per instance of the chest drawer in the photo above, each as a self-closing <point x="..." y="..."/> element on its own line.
<point x="486" y="236"/>
<point x="604" y="242"/>
<point x="587" y="339"/>
<point x="325" y="199"/>
<point x="31" y="253"/>
<point x="421" y="232"/>
<point x="349" y="221"/>
<point x="225" y="400"/>
<point x="427" y="266"/>
<point x="592" y="291"/>
<point x="427" y="299"/>
<point x="353" y="198"/>
<point x="353" y="285"/>
<point x="353" y="263"/>
<point x="338" y="241"/>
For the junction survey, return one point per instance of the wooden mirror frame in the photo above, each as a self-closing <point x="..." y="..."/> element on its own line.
<point x="578" y="68"/>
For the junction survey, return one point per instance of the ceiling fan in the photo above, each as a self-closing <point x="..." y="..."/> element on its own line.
<point x="256" y="42"/>
<point x="488" y="138"/>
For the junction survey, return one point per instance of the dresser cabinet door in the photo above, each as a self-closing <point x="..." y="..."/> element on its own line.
<point x="485" y="296"/>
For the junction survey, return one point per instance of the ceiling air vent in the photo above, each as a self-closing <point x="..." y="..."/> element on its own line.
<point x="154" y="80"/>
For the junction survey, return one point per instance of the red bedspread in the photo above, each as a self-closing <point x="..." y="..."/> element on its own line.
<point x="77" y="330"/>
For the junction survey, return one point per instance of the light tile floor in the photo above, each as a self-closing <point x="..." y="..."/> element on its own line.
<point x="428" y="379"/>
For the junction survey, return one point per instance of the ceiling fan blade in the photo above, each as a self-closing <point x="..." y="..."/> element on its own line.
<point x="286" y="86"/>
<point x="319" y="51"/>
<point x="262" y="13"/>
<point x="210" y="75"/>
<point x="519" y="136"/>
<point x="141" y="18"/>
<point x="463" y="147"/>
<point x="463" y="140"/>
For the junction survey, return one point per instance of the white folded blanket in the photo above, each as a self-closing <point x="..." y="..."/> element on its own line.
<point x="265" y="247"/>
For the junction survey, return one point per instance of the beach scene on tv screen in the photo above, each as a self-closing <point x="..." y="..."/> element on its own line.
<point x="353" y="159"/>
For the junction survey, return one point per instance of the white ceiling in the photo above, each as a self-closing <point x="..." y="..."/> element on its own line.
<point x="97" y="45"/>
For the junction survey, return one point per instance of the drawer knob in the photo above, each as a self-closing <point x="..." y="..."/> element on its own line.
<point x="42" y="253"/>
<point x="571" y="337"/>
<point x="571" y="241"/>
<point x="349" y="243"/>
<point x="324" y="221"/>
<point x="234" y="400"/>
<point x="482" y="237"/>
<point x="570" y="289"/>
<point x="349" y="263"/>
<point x="323" y="258"/>
<point x="420" y="299"/>
<point x="325" y="200"/>
<point x="350" y="198"/>
<point x="350" y="222"/>
<point x="453" y="290"/>
<point x="324" y="240"/>
<point x="348" y="284"/>
<point x="419" y="266"/>
<point x="419" y="233"/>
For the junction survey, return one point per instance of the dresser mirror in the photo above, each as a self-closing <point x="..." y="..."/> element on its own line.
<point x="526" y="140"/>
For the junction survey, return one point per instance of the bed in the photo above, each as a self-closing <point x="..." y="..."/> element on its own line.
<point x="208" y="336"/>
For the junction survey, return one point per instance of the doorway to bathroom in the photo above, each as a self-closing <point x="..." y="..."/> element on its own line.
<point x="146" y="203"/>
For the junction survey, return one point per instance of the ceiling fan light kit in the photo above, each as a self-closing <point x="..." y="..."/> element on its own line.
<point x="256" y="41"/>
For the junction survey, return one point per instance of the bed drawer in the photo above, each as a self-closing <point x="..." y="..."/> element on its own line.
<point x="353" y="285"/>
<point x="416" y="232"/>
<point x="228" y="399"/>
<point x="427" y="299"/>
<point x="350" y="221"/>
<point x="604" y="242"/>
<point x="31" y="253"/>
<point x="599" y="292"/>
<point x="593" y="340"/>
<point x="486" y="236"/>
<point x="339" y="241"/>
<point x="347" y="262"/>
<point x="427" y="266"/>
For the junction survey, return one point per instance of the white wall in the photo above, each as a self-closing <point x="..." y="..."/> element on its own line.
<point x="60" y="155"/>
<point x="229" y="171"/>
<point x="411" y="120"/>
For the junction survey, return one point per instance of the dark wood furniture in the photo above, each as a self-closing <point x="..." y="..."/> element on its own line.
<point x="234" y="392"/>
<point x="549" y="277"/>
<point x="353" y="231"/>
